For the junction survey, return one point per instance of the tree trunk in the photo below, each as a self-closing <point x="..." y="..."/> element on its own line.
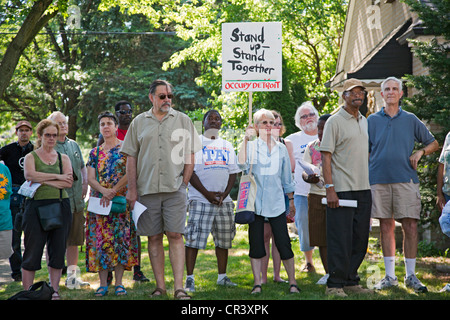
<point x="34" y="22"/>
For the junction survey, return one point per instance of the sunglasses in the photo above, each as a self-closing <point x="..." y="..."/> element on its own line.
<point x="163" y="96"/>
<point x="124" y="111"/>
<point x="50" y="135"/>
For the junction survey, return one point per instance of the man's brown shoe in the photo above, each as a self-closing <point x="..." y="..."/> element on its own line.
<point x="338" y="292"/>
<point x="358" y="289"/>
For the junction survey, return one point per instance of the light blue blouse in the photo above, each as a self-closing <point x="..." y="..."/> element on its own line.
<point x="273" y="175"/>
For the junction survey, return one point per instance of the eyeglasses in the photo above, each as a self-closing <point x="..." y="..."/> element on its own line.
<point x="305" y="116"/>
<point x="125" y="111"/>
<point x="50" y="135"/>
<point x="163" y="96"/>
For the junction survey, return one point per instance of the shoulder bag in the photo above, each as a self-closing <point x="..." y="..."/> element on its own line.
<point x="245" y="207"/>
<point x="50" y="215"/>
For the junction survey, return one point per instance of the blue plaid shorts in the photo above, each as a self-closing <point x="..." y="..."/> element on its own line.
<point x="207" y="218"/>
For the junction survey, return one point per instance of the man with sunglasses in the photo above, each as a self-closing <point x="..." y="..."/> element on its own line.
<point x="161" y="144"/>
<point x="124" y="114"/>
<point x="306" y="119"/>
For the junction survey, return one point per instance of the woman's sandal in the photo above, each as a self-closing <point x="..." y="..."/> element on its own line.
<point x="56" y="296"/>
<point x="120" y="290"/>
<point x="158" y="292"/>
<point x="256" y="286"/>
<point x="294" y="286"/>
<point x="101" y="292"/>
<point x="180" y="294"/>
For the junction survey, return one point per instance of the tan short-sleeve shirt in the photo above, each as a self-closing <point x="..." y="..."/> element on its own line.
<point x="346" y="138"/>
<point x="160" y="148"/>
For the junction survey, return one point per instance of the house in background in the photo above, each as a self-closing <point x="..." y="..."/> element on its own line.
<point x="375" y="46"/>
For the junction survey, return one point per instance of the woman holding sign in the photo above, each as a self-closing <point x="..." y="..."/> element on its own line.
<point x="272" y="172"/>
<point x="111" y="242"/>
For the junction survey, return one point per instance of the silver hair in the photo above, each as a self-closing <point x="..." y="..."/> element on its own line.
<point x="306" y="104"/>
<point x="57" y="113"/>
<point x="400" y="83"/>
<point x="262" y="112"/>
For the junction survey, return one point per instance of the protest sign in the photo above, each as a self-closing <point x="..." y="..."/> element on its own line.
<point x="251" y="56"/>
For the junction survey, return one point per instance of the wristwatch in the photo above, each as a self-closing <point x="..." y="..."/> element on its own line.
<point x="329" y="186"/>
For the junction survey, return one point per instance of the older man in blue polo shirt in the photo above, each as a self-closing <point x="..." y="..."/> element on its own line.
<point x="394" y="181"/>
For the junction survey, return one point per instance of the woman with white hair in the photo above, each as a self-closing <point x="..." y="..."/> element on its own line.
<point x="271" y="169"/>
<point x="306" y="119"/>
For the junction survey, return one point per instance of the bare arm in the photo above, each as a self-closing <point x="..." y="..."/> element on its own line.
<point x="290" y="149"/>
<point x="242" y="155"/>
<point x="188" y="168"/>
<point x="85" y="181"/>
<point x="440" y="201"/>
<point x="209" y="195"/>
<point x="60" y="181"/>
<point x="132" y="184"/>
<point x="332" y="198"/>
<point x="415" y="157"/>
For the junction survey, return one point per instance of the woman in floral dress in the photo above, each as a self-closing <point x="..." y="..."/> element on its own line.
<point x="111" y="240"/>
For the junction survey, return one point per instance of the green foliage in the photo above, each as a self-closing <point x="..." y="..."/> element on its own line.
<point x="431" y="100"/>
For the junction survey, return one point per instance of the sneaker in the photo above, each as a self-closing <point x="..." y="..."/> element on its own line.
<point x="357" y="289"/>
<point x="76" y="283"/>
<point x="226" y="282"/>
<point x="446" y="288"/>
<point x="139" y="276"/>
<point x="413" y="282"/>
<point x="190" y="285"/>
<point x="323" y="280"/>
<point x="338" y="292"/>
<point x="386" y="282"/>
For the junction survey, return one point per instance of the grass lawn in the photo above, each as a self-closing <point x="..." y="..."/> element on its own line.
<point x="239" y="271"/>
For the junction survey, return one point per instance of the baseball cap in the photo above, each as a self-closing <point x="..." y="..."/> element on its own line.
<point x="352" y="83"/>
<point x="23" y="123"/>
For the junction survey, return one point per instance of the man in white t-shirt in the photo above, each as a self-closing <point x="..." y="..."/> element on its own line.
<point x="211" y="209"/>
<point x="306" y="119"/>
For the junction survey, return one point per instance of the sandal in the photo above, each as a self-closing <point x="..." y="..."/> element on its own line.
<point x="180" y="294"/>
<point x="158" y="292"/>
<point x="120" y="290"/>
<point x="56" y="296"/>
<point x="101" y="292"/>
<point x="256" y="286"/>
<point x="294" y="286"/>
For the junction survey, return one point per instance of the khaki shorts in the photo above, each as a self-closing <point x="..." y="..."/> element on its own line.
<point x="77" y="233"/>
<point x="165" y="212"/>
<point x="396" y="200"/>
<point x="5" y="244"/>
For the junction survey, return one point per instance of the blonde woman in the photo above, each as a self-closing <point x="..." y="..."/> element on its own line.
<point x="273" y="175"/>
